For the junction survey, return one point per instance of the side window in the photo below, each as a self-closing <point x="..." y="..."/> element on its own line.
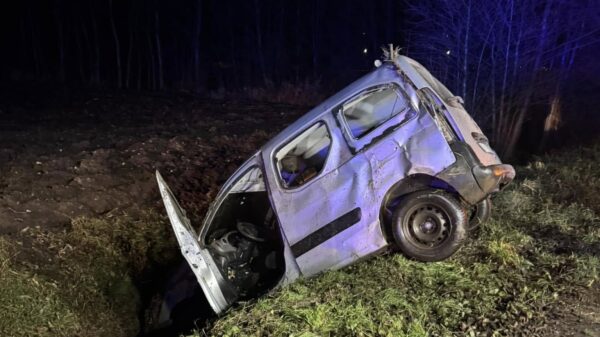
<point x="373" y="107"/>
<point x="301" y="160"/>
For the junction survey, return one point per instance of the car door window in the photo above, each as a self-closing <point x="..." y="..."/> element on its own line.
<point x="303" y="158"/>
<point x="373" y="107"/>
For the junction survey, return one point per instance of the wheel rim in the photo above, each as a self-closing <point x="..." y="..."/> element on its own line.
<point x="427" y="226"/>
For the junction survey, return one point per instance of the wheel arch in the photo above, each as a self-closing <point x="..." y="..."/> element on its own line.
<point x="405" y="186"/>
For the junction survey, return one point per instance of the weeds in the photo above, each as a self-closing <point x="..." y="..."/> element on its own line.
<point x="79" y="282"/>
<point x="541" y="245"/>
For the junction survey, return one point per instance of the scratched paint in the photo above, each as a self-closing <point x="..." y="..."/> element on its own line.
<point x="357" y="174"/>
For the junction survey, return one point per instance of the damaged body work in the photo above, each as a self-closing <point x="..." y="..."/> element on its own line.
<point x="391" y="161"/>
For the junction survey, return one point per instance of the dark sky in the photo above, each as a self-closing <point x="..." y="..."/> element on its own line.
<point x="505" y="63"/>
<point x="206" y="45"/>
<point x="238" y="43"/>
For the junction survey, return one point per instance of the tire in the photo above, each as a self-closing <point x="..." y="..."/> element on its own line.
<point x="480" y="213"/>
<point x="429" y="225"/>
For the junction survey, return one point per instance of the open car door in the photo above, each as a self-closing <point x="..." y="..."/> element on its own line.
<point x="217" y="290"/>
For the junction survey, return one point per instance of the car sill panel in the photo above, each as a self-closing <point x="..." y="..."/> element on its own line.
<point x="199" y="259"/>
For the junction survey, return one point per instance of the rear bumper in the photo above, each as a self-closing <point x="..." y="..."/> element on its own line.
<point x="472" y="180"/>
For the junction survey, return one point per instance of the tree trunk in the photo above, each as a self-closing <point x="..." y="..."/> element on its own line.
<point x="117" y="44"/>
<point x="314" y="37"/>
<point x="131" y="25"/>
<point x="478" y="71"/>
<point x="196" y="45"/>
<point x="515" y="130"/>
<point x="37" y="66"/>
<point x="502" y="112"/>
<point x="161" y="81"/>
<point x="79" y="41"/>
<point x="466" y="52"/>
<point x="151" y="64"/>
<point x="553" y="119"/>
<point x="139" y="69"/>
<point x="95" y="71"/>
<point x="232" y="47"/>
<point x="495" y="135"/>
<point x="261" y="57"/>
<point x="61" y="42"/>
<point x="88" y="47"/>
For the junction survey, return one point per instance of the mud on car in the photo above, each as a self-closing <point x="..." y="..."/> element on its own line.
<point x="392" y="161"/>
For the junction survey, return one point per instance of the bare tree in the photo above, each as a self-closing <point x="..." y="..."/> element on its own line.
<point x="196" y="44"/>
<point x="61" y="40"/>
<point x="259" y="41"/>
<point x="117" y="44"/>
<point x="95" y="71"/>
<point x="159" y="65"/>
<point x="37" y="63"/>
<point x="132" y="41"/>
<point x="511" y="54"/>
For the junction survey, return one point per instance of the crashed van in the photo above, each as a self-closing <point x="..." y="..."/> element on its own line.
<point x="392" y="162"/>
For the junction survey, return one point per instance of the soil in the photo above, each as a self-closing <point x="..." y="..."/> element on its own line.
<point x="68" y="155"/>
<point x="65" y="155"/>
<point x="97" y="154"/>
<point x="576" y="316"/>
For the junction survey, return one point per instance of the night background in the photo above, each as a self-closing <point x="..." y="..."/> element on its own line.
<point x="95" y="95"/>
<point x="508" y="60"/>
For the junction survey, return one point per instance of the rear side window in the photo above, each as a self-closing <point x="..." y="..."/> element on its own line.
<point x="373" y="107"/>
<point x="303" y="158"/>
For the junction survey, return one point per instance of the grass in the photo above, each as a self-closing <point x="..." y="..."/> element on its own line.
<point x="79" y="282"/>
<point x="542" y="245"/>
<point x="31" y="306"/>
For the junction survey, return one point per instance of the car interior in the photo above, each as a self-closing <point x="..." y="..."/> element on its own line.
<point x="373" y="107"/>
<point x="304" y="157"/>
<point x="244" y="237"/>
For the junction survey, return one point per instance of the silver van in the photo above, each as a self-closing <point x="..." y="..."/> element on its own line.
<point x="392" y="161"/>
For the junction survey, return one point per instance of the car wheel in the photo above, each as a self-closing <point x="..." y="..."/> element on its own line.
<point x="480" y="213"/>
<point x="429" y="225"/>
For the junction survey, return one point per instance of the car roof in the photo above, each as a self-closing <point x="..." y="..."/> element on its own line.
<point x="386" y="73"/>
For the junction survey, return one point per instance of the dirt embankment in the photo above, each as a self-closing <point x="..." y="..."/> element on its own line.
<point x="96" y="156"/>
<point x="82" y="234"/>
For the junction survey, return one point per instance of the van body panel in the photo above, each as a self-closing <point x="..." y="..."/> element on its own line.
<point x="334" y="217"/>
